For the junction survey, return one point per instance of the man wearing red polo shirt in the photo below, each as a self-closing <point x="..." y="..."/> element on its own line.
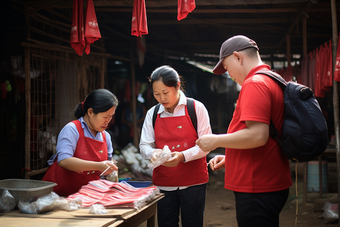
<point x="255" y="168"/>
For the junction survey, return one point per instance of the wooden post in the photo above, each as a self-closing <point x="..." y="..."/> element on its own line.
<point x="133" y="96"/>
<point x="288" y="48"/>
<point x="320" y="176"/>
<point x="28" y="112"/>
<point x="335" y="92"/>
<point x="304" y="35"/>
<point x="101" y="83"/>
<point x="305" y="164"/>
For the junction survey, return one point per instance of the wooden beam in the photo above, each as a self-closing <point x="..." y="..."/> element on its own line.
<point x="301" y="13"/>
<point x="191" y="20"/>
<point x="241" y="10"/>
<point x="157" y="3"/>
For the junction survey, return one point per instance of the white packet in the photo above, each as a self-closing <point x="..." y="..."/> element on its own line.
<point x="164" y="156"/>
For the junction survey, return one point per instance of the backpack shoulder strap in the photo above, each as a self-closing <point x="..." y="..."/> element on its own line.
<point x="154" y="116"/>
<point x="192" y="112"/>
<point x="282" y="83"/>
<point x="275" y="76"/>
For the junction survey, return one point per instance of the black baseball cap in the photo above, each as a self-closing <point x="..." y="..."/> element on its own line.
<point x="235" y="43"/>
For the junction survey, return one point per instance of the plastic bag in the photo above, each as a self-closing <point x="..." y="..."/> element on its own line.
<point x="7" y="202"/>
<point x="98" y="209"/>
<point x="330" y="213"/>
<point x="49" y="202"/>
<point x="114" y="175"/>
<point x="164" y="156"/>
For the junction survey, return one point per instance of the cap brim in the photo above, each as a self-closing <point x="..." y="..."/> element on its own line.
<point x="219" y="69"/>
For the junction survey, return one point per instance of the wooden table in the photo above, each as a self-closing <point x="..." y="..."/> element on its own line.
<point x="82" y="217"/>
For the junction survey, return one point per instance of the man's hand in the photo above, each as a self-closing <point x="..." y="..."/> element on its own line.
<point x="217" y="162"/>
<point x="176" y="158"/>
<point x="207" y="142"/>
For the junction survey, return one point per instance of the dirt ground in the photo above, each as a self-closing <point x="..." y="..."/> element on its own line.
<point x="220" y="206"/>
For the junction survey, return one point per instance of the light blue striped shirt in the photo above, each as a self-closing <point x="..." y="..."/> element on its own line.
<point x="68" y="139"/>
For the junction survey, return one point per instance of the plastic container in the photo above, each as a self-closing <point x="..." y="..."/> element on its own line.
<point x="25" y="189"/>
<point x="313" y="184"/>
<point x="139" y="184"/>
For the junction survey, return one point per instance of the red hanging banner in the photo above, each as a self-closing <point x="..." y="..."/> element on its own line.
<point x="92" y="32"/>
<point x="77" y="39"/>
<point x="184" y="8"/>
<point x="139" y="25"/>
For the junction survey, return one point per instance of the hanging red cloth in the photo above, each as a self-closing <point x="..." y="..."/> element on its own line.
<point x="184" y="8"/>
<point x="77" y="39"/>
<point x="92" y="32"/>
<point x="337" y="63"/>
<point x="318" y="91"/>
<point x="329" y="67"/>
<point x="139" y="25"/>
<point x="323" y="56"/>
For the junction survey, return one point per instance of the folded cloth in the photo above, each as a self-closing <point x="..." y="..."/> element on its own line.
<point x="92" y="32"/>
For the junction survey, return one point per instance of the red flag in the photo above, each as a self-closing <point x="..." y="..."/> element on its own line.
<point x="139" y="25"/>
<point x="184" y="8"/>
<point x="92" y="32"/>
<point x="77" y="39"/>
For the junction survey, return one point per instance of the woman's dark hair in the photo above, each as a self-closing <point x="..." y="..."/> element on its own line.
<point x="100" y="100"/>
<point x="168" y="75"/>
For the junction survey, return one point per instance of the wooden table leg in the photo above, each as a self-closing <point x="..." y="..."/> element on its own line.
<point x="151" y="221"/>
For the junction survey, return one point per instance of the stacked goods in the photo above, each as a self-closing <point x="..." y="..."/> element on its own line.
<point x="114" y="195"/>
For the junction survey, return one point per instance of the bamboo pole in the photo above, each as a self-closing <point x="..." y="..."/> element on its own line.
<point x="335" y="92"/>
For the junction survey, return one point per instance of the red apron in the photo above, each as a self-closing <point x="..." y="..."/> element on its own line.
<point x="70" y="182"/>
<point x="179" y="134"/>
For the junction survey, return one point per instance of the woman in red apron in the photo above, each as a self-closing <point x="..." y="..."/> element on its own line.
<point x="183" y="179"/>
<point x="84" y="148"/>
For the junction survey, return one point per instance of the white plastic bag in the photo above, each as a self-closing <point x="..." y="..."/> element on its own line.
<point x="330" y="213"/>
<point x="163" y="157"/>
<point x="7" y="202"/>
<point x="49" y="202"/>
<point x="98" y="209"/>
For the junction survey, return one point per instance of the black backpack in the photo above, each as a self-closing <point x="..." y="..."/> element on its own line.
<point x="304" y="130"/>
<point x="191" y="112"/>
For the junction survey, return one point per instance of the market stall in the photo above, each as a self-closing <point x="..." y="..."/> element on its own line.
<point x="115" y="217"/>
<point x="99" y="203"/>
